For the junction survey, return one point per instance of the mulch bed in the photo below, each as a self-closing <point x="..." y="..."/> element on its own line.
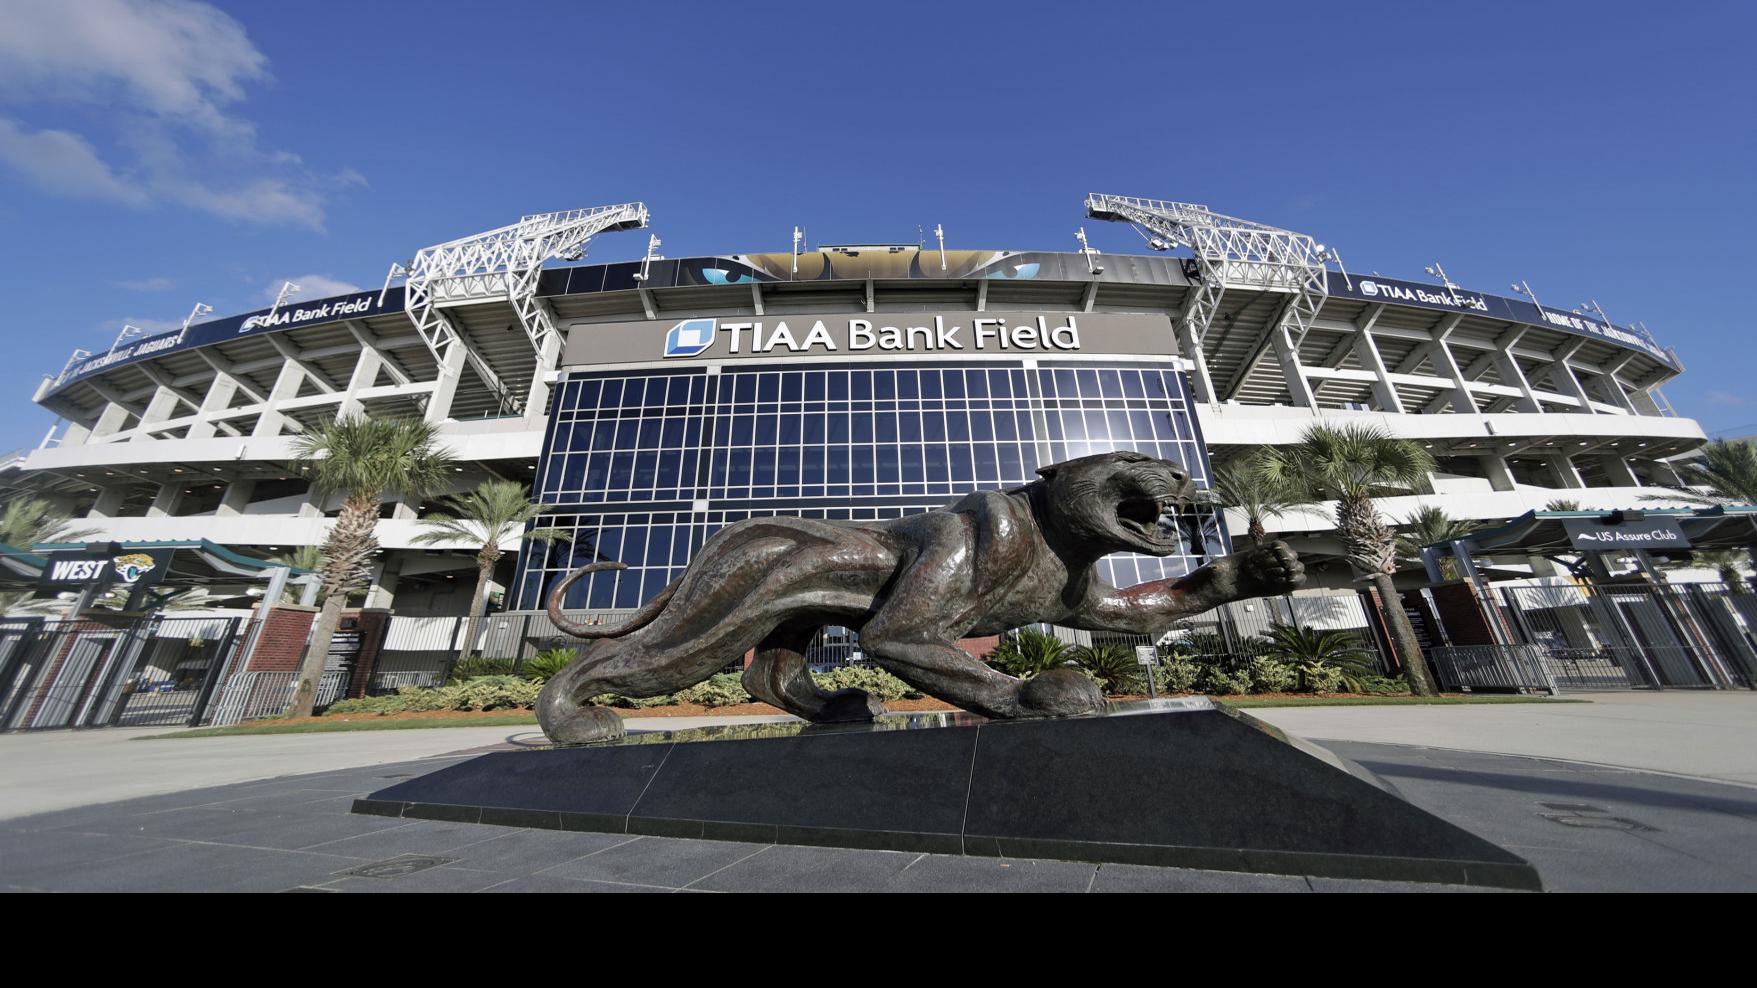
<point x="755" y="709"/>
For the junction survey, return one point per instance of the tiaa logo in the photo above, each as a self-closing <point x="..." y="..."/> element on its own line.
<point x="690" y="337"/>
<point x="1369" y="288"/>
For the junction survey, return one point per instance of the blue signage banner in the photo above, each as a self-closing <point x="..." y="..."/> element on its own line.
<point x="293" y="315"/>
<point x="1377" y="289"/>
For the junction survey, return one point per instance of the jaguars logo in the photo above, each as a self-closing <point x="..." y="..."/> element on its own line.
<point x="132" y="566"/>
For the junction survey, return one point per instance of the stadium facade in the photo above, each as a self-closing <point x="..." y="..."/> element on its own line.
<point x="654" y="401"/>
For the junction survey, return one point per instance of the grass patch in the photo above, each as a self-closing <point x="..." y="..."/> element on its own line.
<point x="339" y="724"/>
<point x="1383" y="701"/>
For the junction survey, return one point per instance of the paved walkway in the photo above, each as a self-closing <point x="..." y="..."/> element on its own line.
<point x="1584" y="828"/>
<point x="52" y="770"/>
<point x="1705" y="735"/>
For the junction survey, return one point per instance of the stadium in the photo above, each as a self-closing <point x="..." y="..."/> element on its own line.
<point x="652" y="401"/>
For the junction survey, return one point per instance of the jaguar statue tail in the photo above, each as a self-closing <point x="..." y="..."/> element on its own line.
<point x="637" y="620"/>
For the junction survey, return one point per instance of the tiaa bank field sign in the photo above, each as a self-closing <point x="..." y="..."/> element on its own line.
<point x="873" y="334"/>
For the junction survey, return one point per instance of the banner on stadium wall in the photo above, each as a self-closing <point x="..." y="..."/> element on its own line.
<point x="869" y="334"/>
<point x="1377" y="289"/>
<point x="292" y="315"/>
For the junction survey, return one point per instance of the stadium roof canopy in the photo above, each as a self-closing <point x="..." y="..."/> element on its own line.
<point x="1542" y="532"/>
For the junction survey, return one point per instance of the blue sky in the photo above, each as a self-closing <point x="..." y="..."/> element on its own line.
<point x="157" y="154"/>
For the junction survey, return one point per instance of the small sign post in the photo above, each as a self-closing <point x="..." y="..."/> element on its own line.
<point x="1148" y="656"/>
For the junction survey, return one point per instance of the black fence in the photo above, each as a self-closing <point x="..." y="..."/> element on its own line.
<point x="421" y="651"/>
<point x="1632" y="636"/>
<point x="133" y="672"/>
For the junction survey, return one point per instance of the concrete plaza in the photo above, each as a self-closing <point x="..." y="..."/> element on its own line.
<point x="1631" y="791"/>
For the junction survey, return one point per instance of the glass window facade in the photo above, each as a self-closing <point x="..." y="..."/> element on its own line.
<point x="644" y="466"/>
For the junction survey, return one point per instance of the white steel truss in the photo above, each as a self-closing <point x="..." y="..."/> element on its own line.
<point x="1229" y="252"/>
<point x="503" y="264"/>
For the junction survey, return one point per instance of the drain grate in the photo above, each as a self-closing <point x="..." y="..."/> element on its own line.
<point x="397" y="867"/>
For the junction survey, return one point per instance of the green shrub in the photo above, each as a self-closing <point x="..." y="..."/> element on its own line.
<point x="473" y="668"/>
<point x="1273" y="676"/>
<point x="634" y="702"/>
<point x="877" y="682"/>
<point x="389" y="704"/>
<point x="494" y="693"/>
<point x="1179" y="676"/>
<point x="1222" y="683"/>
<point x="545" y="665"/>
<point x="1112" y="666"/>
<point x="722" y="690"/>
<point x="424" y="698"/>
<point x="1319" y="677"/>
<point x="1026" y="652"/>
<point x="1384" y="685"/>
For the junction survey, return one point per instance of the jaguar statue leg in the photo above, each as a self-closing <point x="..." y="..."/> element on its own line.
<point x="779" y="676"/>
<point x="783" y="574"/>
<point x="915" y="636"/>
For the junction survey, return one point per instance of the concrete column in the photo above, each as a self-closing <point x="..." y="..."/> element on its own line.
<point x="235" y="498"/>
<point x="1665" y="473"/>
<point x="110" y="420"/>
<point x="218" y="398"/>
<point x="1192" y="351"/>
<point x="108" y="503"/>
<point x="1571" y="381"/>
<point x="1292" y="370"/>
<point x="1619" y="472"/>
<point x="1500" y="476"/>
<point x="166" y="501"/>
<point x="1367" y="351"/>
<point x="1507" y="366"/>
<point x="311" y="507"/>
<point x="286" y="386"/>
<point x="383" y="587"/>
<point x="76" y="435"/>
<point x="446" y="388"/>
<point x="365" y="373"/>
<point x="537" y="399"/>
<point x="1566" y="472"/>
<point x="162" y="406"/>
<point x="403" y="510"/>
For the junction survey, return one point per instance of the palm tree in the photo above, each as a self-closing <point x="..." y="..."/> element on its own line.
<point x="486" y="517"/>
<point x="26" y="521"/>
<point x="1729" y="562"/>
<point x="300" y="557"/>
<point x="1562" y="504"/>
<point x="1427" y="526"/>
<point x="359" y="458"/>
<point x="1243" y="485"/>
<point x="1353" y="464"/>
<point x="1724" y="473"/>
<point x="1112" y="664"/>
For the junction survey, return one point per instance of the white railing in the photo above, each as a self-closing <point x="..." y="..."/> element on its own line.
<point x="254" y="695"/>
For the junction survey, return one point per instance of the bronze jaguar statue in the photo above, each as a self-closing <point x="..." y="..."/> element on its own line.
<point x="912" y="587"/>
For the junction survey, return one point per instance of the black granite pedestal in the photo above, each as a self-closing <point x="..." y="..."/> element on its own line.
<point x="1181" y="783"/>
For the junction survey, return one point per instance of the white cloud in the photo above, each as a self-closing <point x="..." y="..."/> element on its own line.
<point x="1726" y="398"/>
<point x="165" y="77"/>
<point x="176" y="58"/>
<point x="147" y="284"/>
<point x="310" y="286"/>
<point x="64" y="163"/>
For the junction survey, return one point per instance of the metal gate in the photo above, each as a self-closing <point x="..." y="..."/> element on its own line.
<point x="128" y="672"/>
<point x="1624" y="636"/>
